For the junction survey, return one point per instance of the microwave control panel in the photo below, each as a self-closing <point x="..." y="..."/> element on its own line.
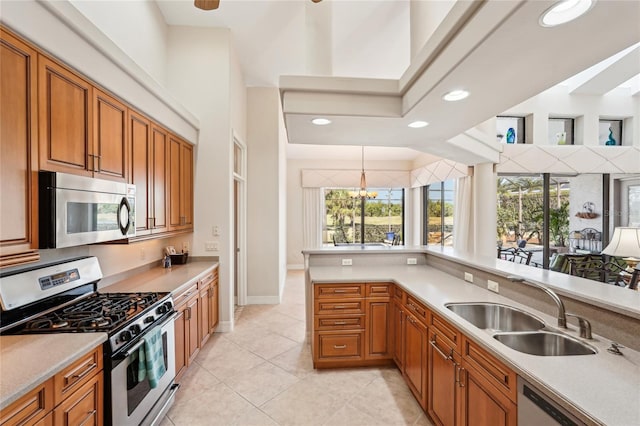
<point x="65" y="277"/>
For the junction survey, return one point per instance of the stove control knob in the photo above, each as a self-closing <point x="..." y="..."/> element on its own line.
<point x="125" y="336"/>
<point x="162" y="309"/>
<point x="135" y="329"/>
<point x="149" y="319"/>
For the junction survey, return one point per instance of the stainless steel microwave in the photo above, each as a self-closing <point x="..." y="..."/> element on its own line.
<point x="77" y="210"/>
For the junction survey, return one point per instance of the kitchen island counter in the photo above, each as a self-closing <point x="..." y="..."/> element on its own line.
<point x="598" y="388"/>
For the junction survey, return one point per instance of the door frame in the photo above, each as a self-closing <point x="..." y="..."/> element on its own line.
<point x="241" y="217"/>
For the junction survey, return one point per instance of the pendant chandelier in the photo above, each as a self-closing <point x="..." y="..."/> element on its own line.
<point x="362" y="193"/>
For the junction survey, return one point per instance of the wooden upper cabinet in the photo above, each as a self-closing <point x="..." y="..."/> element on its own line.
<point x="180" y="184"/>
<point x="66" y="117"/>
<point x="140" y="140"/>
<point x="18" y="150"/>
<point x="109" y="152"/>
<point x="159" y="186"/>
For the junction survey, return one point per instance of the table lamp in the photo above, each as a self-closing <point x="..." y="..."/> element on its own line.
<point x="625" y="243"/>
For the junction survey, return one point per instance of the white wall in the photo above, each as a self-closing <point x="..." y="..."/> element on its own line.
<point x="294" y="198"/>
<point x="117" y="18"/>
<point x="264" y="200"/>
<point x="199" y="75"/>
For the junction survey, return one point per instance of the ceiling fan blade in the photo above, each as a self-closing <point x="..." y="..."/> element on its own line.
<point x="207" y="4"/>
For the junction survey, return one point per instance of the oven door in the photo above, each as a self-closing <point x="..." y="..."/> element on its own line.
<point x="132" y="398"/>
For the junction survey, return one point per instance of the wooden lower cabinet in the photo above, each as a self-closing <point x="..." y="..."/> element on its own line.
<point x="378" y="330"/>
<point x="444" y="369"/>
<point x="415" y="357"/>
<point x="187" y="326"/>
<point x="481" y="403"/>
<point x="83" y="407"/>
<point x="73" y="397"/>
<point x="397" y="331"/>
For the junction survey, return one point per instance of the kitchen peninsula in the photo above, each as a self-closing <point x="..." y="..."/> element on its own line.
<point x="587" y="386"/>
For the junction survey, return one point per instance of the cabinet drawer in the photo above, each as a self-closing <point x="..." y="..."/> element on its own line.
<point x="379" y="290"/>
<point x="418" y="309"/>
<point x="323" y="291"/>
<point x="492" y="369"/>
<point x="31" y="408"/>
<point x="446" y="331"/>
<point x="343" y="345"/>
<point x="78" y="373"/>
<point x="339" y="323"/>
<point x="182" y="297"/>
<point x="339" y="307"/>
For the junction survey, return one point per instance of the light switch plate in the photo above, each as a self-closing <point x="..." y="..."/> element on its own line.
<point x="468" y="277"/>
<point x="412" y="261"/>
<point x="347" y="262"/>
<point x="493" y="286"/>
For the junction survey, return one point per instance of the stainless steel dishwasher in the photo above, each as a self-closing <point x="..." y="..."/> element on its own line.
<point x="537" y="409"/>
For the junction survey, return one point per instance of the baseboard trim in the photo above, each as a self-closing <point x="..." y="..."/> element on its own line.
<point x="263" y="300"/>
<point x="295" y="267"/>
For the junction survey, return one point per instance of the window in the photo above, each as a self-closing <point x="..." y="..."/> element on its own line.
<point x="438" y="220"/>
<point x="351" y="219"/>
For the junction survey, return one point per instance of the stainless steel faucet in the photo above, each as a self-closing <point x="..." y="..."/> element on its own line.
<point x="584" y="324"/>
<point x="562" y="316"/>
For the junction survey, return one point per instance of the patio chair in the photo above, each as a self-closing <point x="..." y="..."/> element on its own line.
<point x="516" y="255"/>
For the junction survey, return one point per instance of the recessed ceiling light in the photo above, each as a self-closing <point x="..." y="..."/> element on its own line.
<point x="565" y="11"/>
<point x="455" y="95"/>
<point x="418" y="124"/>
<point x="321" y="121"/>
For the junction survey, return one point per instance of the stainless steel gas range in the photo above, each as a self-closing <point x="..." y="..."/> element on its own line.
<point x="139" y="354"/>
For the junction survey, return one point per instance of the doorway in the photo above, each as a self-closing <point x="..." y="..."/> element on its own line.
<point x="239" y="222"/>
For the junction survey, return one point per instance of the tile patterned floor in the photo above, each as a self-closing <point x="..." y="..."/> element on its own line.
<point x="261" y="374"/>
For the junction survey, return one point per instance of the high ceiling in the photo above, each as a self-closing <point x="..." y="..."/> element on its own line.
<point x="495" y="49"/>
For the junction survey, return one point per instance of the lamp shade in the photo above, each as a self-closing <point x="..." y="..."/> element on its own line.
<point x="624" y="243"/>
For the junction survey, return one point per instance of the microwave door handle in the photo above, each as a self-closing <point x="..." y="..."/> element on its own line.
<point x="124" y="203"/>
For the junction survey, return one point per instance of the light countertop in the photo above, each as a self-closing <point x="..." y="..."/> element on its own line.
<point x="29" y="360"/>
<point x="604" y="387"/>
<point x="159" y="279"/>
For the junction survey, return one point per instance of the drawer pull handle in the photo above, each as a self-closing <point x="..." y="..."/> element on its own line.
<point x="74" y="378"/>
<point x="339" y="307"/>
<point x="90" y="415"/>
<point x="338" y="290"/>
<point x="339" y="346"/>
<point x="442" y="354"/>
<point x="339" y="323"/>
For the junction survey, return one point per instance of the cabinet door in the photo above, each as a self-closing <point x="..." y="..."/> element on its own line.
<point x="482" y="404"/>
<point x="65" y="110"/>
<point x="181" y="341"/>
<point x="158" y="179"/>
<point x="141" y="169"/>
<point x="83" y="407"/>
<point x="203" y="315"/>
<point x="174" y="212"/>
<point x="193" y="312"/>
<point x="110" y="148"/>
<point x="398" y="319"/>
<point x="378" y="330"/>
<point x="18" y="150"/>
<point x="442" y="381"/>
<point x="415" y="357"/>
<point x="187" y="184"/>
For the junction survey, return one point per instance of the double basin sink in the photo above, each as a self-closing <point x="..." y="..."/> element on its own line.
<point x="519" y="330"/>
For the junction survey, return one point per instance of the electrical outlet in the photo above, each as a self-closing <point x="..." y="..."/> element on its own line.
<point x="185" y="246"/>
<point x="215" y="230"/>
<point x="493" y="286"/>
<point x="210" y="246"/>
<point x="468" y="277"/>
<point x="347" y="262"/>
<point x="412" y="261"/>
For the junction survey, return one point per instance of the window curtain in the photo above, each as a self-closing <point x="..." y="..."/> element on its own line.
<point x="312" y="211"/>
<point x="463" y="217"/>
